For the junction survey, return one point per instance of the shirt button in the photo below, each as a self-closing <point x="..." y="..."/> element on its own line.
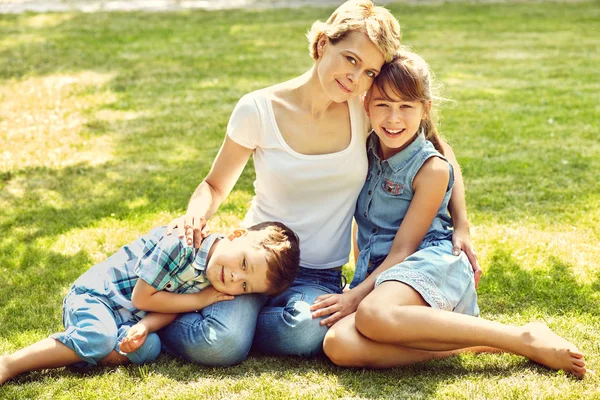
<point x="374" y="230"/>
<point x="365" y="214"/>
<point x="378" y="172"/>
<point x="370" y="192"/>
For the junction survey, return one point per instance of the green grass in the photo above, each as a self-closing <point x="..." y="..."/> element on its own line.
<point x="109" y="121"/>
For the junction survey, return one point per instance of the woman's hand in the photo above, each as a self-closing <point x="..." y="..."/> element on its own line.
<point x="135" y="338"/>
<point x="461" y="241"/>
<point x="194" y="229"/>
<point x="337" y="306"/>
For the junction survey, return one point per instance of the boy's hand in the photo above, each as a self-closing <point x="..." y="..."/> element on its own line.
<point x="135" y="338"/>
<point x="213" y="296"/>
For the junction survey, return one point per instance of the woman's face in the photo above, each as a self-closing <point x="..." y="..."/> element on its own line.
<point x="347" y="68"/>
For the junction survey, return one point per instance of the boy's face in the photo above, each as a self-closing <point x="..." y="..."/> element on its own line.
<point x="237" y="267"/>
<point x="395" y="121"/>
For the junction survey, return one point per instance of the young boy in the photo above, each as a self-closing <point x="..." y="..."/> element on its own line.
<point x="105" y="312"/>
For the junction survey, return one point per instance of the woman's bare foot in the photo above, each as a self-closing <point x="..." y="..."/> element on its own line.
<point x="549" y="349"/>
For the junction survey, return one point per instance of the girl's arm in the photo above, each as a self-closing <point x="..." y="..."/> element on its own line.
<point x="146" y="297"/>
<point x="429" y="189"/>
<point x="211" y="192"/>
<point x="461" y="238"/>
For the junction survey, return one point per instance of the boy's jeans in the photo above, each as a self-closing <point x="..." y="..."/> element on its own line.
<point x="222" y="334"/>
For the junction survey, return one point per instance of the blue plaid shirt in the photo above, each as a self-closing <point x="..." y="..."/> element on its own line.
<point x="164" y="262"/>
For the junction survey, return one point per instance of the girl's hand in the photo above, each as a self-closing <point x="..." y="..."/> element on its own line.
<point x="461" y="241"/>
<point x="194" y="229"/>
<point x="213" y="296"/>
<point x="135" y="338"/>
<point x="335" y="305"/>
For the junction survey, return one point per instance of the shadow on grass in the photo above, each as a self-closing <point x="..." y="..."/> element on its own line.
<point x="509" y="288"/>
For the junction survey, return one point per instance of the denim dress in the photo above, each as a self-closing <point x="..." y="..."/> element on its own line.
<point x="443" y="280"/>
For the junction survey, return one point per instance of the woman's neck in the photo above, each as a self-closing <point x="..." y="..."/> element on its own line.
<point x="308" y="95"/>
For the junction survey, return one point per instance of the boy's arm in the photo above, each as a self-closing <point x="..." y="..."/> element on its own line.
<point x="138" y="333"/>
<point x="148" y="298"/>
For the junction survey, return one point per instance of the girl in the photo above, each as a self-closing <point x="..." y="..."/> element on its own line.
<point x="419" y="298"/>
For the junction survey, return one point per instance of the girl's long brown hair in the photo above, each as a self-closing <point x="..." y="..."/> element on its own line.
<point x="408" y="77"/>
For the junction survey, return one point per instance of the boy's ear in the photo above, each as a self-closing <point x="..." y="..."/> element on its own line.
<point x="237" y="233"/>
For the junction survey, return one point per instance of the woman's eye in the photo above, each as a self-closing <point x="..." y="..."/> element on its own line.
<point x="371" y="74"/>
<point x="352" y="60"/>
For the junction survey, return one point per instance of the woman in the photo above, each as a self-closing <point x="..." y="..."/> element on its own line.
<point x="307" y="136"/>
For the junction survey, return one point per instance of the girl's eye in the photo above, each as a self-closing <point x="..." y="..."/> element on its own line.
<point x="352" y="60"/>
<point x="244" y="286"/>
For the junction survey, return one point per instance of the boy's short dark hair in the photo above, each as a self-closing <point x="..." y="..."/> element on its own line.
<point x="282" y="248"/>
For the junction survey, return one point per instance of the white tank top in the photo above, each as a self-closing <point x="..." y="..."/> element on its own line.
<point x="314" y="195"/>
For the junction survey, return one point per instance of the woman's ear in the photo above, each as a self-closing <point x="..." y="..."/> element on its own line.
<point x="237" y="233"/>
<point x="321" y="44"/>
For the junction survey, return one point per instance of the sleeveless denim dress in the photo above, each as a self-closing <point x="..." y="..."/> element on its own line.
<point x="443" y="280"/>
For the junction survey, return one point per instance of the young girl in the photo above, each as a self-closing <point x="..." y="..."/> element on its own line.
<point x="418" y="299"/>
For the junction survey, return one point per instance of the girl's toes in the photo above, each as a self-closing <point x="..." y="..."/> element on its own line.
<point x="579" y="362"/>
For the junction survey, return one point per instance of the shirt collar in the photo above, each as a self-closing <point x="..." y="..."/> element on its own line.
<point x="200" y="260"/>
<point x="400" y="160"/>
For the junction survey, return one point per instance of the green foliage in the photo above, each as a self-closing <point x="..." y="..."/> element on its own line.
<point x="110" y="120"/>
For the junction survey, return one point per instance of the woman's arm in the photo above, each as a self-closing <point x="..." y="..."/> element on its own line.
<point x="461" y="238"/>
<point x="429" y="187"/>
<point x="211" y="192"/>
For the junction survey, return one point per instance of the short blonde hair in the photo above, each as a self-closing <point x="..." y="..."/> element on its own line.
<point x="363" y="16"/>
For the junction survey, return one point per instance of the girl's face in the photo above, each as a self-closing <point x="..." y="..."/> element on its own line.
<point x="347" y="68"/>
<point x="395" y="121"/>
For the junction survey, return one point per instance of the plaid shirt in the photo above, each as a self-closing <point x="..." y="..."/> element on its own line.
<point x="164" y="262"/>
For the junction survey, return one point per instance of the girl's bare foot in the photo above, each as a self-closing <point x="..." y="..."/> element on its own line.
<point x="549" y="349"/>
<point x="5" y="373"/>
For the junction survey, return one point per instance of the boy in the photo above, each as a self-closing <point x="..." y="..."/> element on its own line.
<point x="105" y="312"/>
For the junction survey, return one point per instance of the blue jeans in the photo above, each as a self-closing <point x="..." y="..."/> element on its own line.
<point x="92" y="331"/>
<point x="223" y="333"/>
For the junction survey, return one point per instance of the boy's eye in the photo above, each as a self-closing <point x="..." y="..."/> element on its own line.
<point x="381" y="105"/>
<point x="244" y="264"/>
<point x="244" y="286"/>
<point x="352" y="60"/>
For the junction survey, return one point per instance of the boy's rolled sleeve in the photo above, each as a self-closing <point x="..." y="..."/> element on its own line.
<point x="162" y="260"/>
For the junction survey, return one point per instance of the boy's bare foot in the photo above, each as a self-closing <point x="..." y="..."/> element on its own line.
<point x="551" y="350"/>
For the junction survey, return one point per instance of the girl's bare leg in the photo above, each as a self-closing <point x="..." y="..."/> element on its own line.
<point x="405" y="322"/>
<point x="47" y="353"/>
<point x="345" y="346"/>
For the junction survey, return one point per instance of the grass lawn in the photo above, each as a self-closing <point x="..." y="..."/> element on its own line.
<point x="108" y="122"/>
